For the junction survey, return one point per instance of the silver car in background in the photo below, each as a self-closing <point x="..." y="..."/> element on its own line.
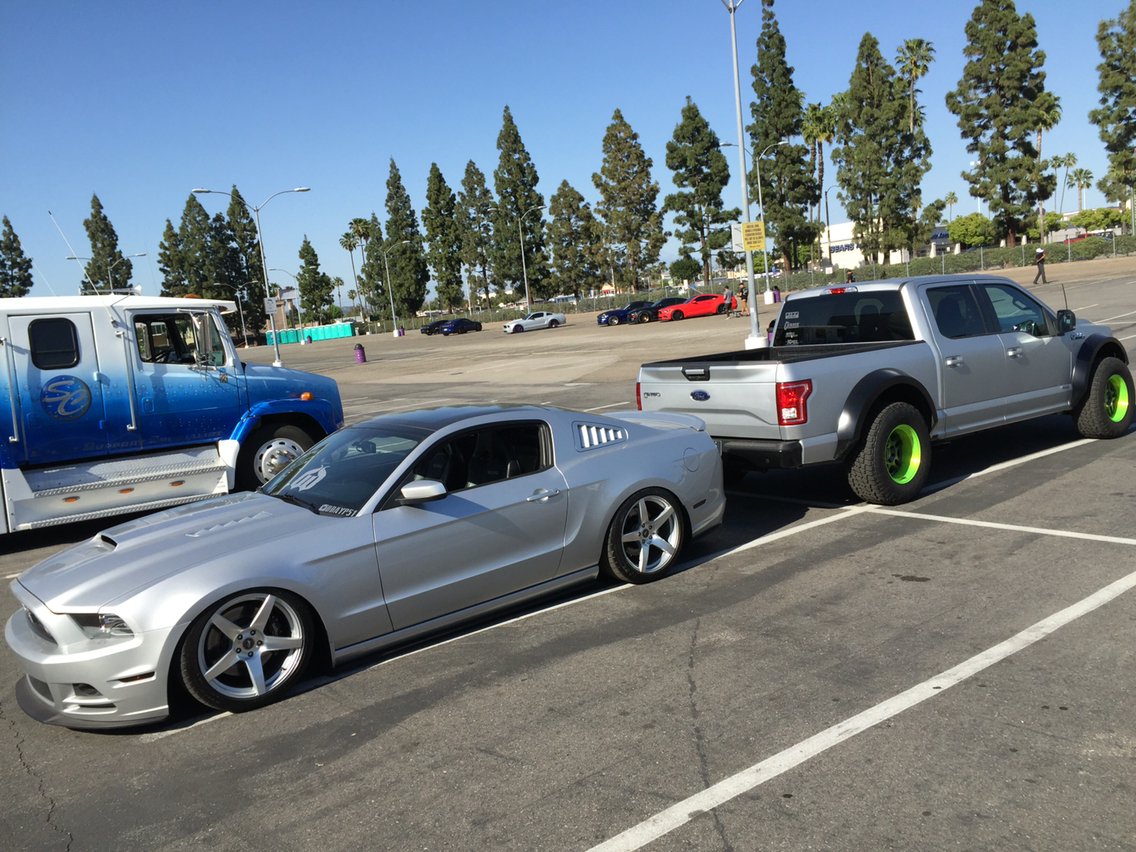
<point x="384" y="531"/>
<point x="535" y="320"/>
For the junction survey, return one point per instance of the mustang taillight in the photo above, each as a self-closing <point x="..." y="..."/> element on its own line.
<point x="791" y="408"/>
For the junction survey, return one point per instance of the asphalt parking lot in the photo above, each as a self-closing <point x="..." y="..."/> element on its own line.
<point x="955" y="673"/>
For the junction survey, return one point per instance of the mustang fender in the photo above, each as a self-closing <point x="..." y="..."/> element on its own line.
<point x="851" y="425"/>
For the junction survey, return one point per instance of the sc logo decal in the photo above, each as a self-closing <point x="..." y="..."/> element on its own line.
<point x="65" y="398"/>
<point x="699" y="395"/>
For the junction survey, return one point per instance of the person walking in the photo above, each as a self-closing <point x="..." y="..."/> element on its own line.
<point x="1039" y="259"/>
<point x="727" y="296"/>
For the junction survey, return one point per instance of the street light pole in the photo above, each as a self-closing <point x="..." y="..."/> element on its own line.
<point x="731" y="7"/>
<point x="237" y="293"/>
<point x="828" y="227"/>
<point x="761" y="209"/>
<point x="524" y="268"/>
<point x="110" y="278"/>
<point x="390" y="290"/>
<point x="263" y="263"/>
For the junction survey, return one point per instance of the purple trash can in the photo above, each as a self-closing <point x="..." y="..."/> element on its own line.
<point x="360" y="354"/>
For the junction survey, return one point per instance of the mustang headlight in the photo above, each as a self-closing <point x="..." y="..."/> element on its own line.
<point x="101" y="625"/>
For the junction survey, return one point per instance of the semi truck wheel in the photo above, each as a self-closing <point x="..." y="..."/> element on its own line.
<point x="892" y="463"/>
<point x="269" y="450"/>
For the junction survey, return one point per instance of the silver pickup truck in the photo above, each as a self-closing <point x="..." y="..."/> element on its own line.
<point x="871" y="374"/>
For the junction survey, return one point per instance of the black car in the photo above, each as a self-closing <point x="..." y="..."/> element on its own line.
<point x="651" y="312"/>
<point x="459" y="326"/>
<point x="433" y="327"/>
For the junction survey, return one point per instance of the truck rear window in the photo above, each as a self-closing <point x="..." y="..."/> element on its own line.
<point x="859" y="317"/>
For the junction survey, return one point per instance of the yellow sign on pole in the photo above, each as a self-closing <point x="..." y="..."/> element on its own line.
<point x="753" y="236"/>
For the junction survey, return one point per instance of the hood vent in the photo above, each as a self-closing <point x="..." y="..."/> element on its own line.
<point x="228" y="525"/>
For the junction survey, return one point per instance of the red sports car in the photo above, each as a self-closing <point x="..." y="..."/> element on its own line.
<point x="701" y="305"/>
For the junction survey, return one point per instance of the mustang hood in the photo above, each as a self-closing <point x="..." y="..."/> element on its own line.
<point x="123" y="559"/>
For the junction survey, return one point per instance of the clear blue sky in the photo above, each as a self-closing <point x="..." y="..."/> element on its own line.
<point x="140" y="102"/>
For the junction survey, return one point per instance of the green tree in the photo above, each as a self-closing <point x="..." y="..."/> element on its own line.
<point x="999" y="103"/>
<point x="818" y="127"/>
<point x="788" y="187"/>
<point x="108" y="268"/>
<point x="170" y="262"/>
<point x="1097" y="218"/>
<point x="187" y="260"/>
<point x="247" y="273"/>
<point x="403" y="251"/>
<point x="349" y="242"/>
<point x="686" y="268"/>
<point x="444" y="237"/>
<point x="633" y="225"/>
<point x="575" y="242"/>
<point x="518" y="206"/>
<point x="371" y="284"/>
<point x="15" y="266"/>
<point x="473" y="210"/>
<point x="951" y="200"/>
<point x="1082" y="179"/>
<point x="1065" y="161"/>
<point x="701" y="173"/>
<point x="315" y="286"/>
<point x="880" y="161"/>
<point x="1116" y="116"/>
<point x="973" y="229"/>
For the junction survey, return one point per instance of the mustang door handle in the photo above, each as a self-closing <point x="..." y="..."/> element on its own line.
<point x="953" y="361"/>
<point x="540" y="495"/>
<point x="1014" y="352"/>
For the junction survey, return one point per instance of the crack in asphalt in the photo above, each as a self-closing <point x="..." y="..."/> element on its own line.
<point x="699" y="737"/>
<point x="18" y="744"/>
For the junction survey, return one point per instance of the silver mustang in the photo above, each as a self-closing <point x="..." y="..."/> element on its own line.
<point x="386" y="530"/>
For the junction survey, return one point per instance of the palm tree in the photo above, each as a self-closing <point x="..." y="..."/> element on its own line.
<point x="349" y="241"/>
<point x="914" y="59"/>
<point x="951" y="200"/>
<point x="351" y="295"/>
<point x="1082" y="179"/>
<point x="1067" y="161"/>
<point x="1048" y="108"/>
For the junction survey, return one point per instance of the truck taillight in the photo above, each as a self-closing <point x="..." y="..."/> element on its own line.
<point x="638" y="398"/>
<point x="791" y="408"/>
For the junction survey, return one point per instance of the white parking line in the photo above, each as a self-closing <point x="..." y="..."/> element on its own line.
<point x="679" y="814"/>
<point x="993" y="525"/>
<point x="1118" y="316"/>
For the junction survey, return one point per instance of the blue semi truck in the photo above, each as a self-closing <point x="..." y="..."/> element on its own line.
<point x="125" y="403"/>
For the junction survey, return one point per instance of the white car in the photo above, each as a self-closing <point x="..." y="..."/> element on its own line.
<point x="538" y="319"/>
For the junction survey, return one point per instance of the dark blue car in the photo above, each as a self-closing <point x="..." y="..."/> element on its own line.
<point x="619" y="315"/>
<point x="458" y="326"/>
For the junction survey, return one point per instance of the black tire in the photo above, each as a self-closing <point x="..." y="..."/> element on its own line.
<point x="892" y="463"/>
<point x="676" y="315"/>
<point x="645" y="537"/>
<point x="613" y="320"/>
<point x="722" y="308"/>
<point x="461" y="330"/>
<point x="1106" y="411"/>
<point x="517" y="329"/>
<point x="554" y="323"/>
<point x="246" y="651"/>
<point x="267" y="451"/>
<point x="445" y="334"/>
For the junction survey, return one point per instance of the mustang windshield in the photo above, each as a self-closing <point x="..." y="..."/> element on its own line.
<point x="339" y="474"/>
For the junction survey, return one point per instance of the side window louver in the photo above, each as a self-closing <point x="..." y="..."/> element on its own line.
<point x="590" y="435"/>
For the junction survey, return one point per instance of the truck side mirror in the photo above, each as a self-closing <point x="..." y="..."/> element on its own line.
<point x="1066" y="321"/>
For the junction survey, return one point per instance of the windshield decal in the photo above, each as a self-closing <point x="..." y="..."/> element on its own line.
<point x="308" y="479"/>
<point x="328" y="509"/>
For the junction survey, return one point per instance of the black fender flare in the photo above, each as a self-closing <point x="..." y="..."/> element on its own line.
<point x="1095" y="347"/>
<point x="863" y="398"/>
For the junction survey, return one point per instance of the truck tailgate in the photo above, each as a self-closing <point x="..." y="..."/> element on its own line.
<point x="738" y="398"/>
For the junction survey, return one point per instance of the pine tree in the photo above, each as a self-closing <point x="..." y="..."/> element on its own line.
<point x="879" y="161"/>
<point x="171" y="264"/>
<point x="187" y="261"/>
<point x="403" y="251"/>
<point x="444" y="238"/>
<point x="997" y="104"/>
<point x="575" y="243"/>
<point x="518" y="211"/>
<point x="107" y="269"/>
<point x="315" y="286"/>
<point x="633" y="226"/>
<point x="372" y="283"/>
<point x="15" y="266"/>
<point x="788" y="187"/>
<point x="1116" y="117"/>
<point x="249" y="272"/>
<point x="700" y="169"/>
<point x="473" y="212"/>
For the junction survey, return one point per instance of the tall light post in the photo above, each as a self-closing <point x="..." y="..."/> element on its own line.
<point x="390" y="290"/>
<point x="263" y="263"/>
<point x="828" y="225"/>
<point x="237" y="293"/>
<point x="761" y="208"/>
<point x="731" y="7"/>
<point x="110" y="278"/>
<point x="521" y="234"/>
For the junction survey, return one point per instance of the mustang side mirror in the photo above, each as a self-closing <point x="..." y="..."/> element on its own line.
<point x="1066" y="321"/>
<point x="421" y="491"/>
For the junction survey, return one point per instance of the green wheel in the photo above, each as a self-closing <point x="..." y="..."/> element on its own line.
<point x="892" y="463"/>
<point x="1106" y="411"/>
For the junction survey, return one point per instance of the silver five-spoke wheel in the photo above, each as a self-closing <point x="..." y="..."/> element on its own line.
<point x="645" y="537"/>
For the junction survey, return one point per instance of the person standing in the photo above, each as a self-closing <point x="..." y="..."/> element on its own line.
<point x="743" y="300"/>
<point x="727" y="297"/>
<point x="1039" y="259"/>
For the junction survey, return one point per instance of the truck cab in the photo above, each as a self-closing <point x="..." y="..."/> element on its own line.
<point x="120" y="403"/>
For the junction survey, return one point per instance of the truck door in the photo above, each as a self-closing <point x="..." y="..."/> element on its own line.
<point x="186" y="380"/>
<point x="1039" y="363"/>
<point x="61" y="410"/>
<point x="972" y="361"/>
